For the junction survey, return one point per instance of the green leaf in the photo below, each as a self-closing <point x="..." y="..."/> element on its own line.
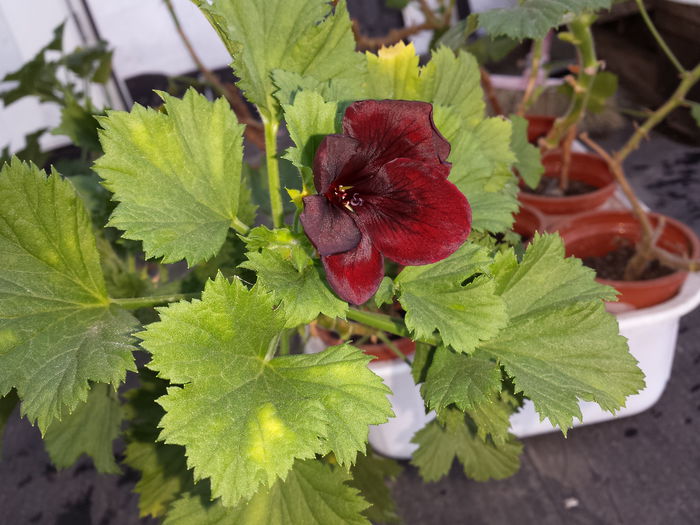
<point x="285" y="268"/>
<point x="439" y="444"/>
<point x="695" y="112"/>
<point x="92" y="63"/>
<point x="435" y="299"/>
<point x="176" y="175"/>
<point x="454" y="81"/>
<point x="481" y="167"/>
<point x="7" y="406"/>
<point x="492" y="418"/>
<point x="385" y="293"/>
<point x="37" y="77"/>
<point x="466" y="381"/>
<point x="90" y="429"/>
<point x="560" y="345"/>
<point x="369" y="476"/>
<point x="163" y="468"/>
<point x="312" y="493"/>
<point x="529" y="163"/>
<point x="393" y="72"/>
<point x="300" y="36"/>
<point x="604" y="86"/>
<point x="57" y="328"/>
<point x="244" y="416"/>
<point x="309" y="119"/>
<point x="334" y="89"/>
<point x="534" y="18"/>
<point x="79" y="125"/>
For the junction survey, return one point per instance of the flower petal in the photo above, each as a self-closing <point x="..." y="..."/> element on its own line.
<point x="391" y="129"/>
<point x="355" y="275"/>
<point x="412" y="216"/>
<point x="330" y="229"/>
<point x="334" y="153"/>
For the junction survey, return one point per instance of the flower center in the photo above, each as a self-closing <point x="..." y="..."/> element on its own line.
<point x="344" y="197"/>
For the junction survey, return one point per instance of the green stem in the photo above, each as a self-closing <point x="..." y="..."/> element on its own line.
<point x="659" y="39"/>
<point x="389" y="343"/>
<point x="133" y="303"/>
<point x="387" y="323"/>
<point x="273" y="173"/>
<point x="588" y="67"/>
<point x="239" y="226"/>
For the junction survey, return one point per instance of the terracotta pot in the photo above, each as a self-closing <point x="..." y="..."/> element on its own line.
<point x="379" y="350"/>
<point x="538" y="126"/>
<point x="597" y="233"/>
<point x="585" y="167"/>
<point x="527" y="222"/>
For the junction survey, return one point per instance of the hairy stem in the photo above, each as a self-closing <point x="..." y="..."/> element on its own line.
<point x="386" y="323"/>
<point x="273" y="174"/>
<point x="133" y="303"/>
<point x="659" y="39"/>
<point x="587" y="69"/>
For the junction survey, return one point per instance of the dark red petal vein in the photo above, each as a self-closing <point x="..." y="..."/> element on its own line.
<point x="390" y="129"/>
<point x="330" y="229"/>
<point x="355" y="275"/>
<point x="412" y="216"/>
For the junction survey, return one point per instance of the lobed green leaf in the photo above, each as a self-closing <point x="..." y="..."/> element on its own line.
<point x="243" y="416"/>
<point x="90" y="429"/>
<point x="176" y="175"/>
<point x="311" y="493"/>
<point x="58" y="330"/>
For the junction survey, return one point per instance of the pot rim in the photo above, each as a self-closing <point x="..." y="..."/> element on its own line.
<point x="627" y="217"/>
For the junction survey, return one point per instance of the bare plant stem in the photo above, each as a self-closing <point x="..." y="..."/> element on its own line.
<point x="659" y="39"/>
<point x="587" y="69"/>
<point x="535" y="64"/>
<point x="490" y="92"/>
<point x="432" y="22"/>
<point x="566" y="159"/>
<point x="230" y="93"/>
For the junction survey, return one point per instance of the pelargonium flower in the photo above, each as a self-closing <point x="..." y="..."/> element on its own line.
<point x="383" y="192"/>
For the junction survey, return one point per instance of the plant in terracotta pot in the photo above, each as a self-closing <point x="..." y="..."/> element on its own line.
<point x="396" y="164"/>
<point x="573" y="182"/>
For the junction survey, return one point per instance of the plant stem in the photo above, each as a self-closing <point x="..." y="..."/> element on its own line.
<point x="390" y="344"/>
<point x="659" y="39"/>
<point x="233" y="96"/>
<point x="273" y="175"/>
<point x="588" y="67"/>
<point x="688" y="80"/>
<point x="490" y="92"/>
<point x="387" y="323"/>
<point x="535" y="63"/>
<point x="133" y="303"/>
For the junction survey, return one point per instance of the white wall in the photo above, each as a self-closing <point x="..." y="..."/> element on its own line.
<point x="22" y="34"/>
<point x="145" y="40"/>
<point x="141" y="33"/>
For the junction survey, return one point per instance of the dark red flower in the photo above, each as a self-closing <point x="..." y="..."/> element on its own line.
<point x="383" y="191"/>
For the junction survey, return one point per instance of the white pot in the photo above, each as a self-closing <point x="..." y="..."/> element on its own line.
<point x="652" y="334"/>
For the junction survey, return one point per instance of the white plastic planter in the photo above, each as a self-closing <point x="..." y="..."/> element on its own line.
<point x="652" y="334"/>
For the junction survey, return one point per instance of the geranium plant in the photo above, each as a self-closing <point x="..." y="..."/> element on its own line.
<point x="396" y="163"/>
